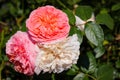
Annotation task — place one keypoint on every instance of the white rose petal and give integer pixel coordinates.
(58, 56)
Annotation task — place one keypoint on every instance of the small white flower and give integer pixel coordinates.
(58, 56)
(81, 23)
(92, 18)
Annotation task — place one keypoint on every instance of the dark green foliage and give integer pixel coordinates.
(84, 12)
(100, 40)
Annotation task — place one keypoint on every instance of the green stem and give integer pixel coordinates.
(2, 63)
(31, 78)
(91, 77)
(3, 23)
(1, 68)
(61, 4)
(18, 21)
(108, 53)
(2, 38)
(53, 76)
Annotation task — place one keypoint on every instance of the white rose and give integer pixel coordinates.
(58, 56)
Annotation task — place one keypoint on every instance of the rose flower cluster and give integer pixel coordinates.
(46, 46)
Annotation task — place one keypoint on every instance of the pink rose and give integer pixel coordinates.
(47, 24)
(22, 53)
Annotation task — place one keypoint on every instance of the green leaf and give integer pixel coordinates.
(86, 78)
(23, 28)
(73, 70)
(105, 72)
(75, 30)
(84, 12)
(80, 36)
(84, 69)
(12, 9)
(92, 61)
(105, 19)
(75, 67)
(99, 51)
(116, 7)
(70, 16)
(104, 10)
(4, 10)
(109, 36)
(94, 33)
(117, 64)
(5, 58)
(81, 76)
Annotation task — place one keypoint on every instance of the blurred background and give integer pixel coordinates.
(13, 14)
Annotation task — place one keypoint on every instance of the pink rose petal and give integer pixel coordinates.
(22, 53)
(47, 24)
